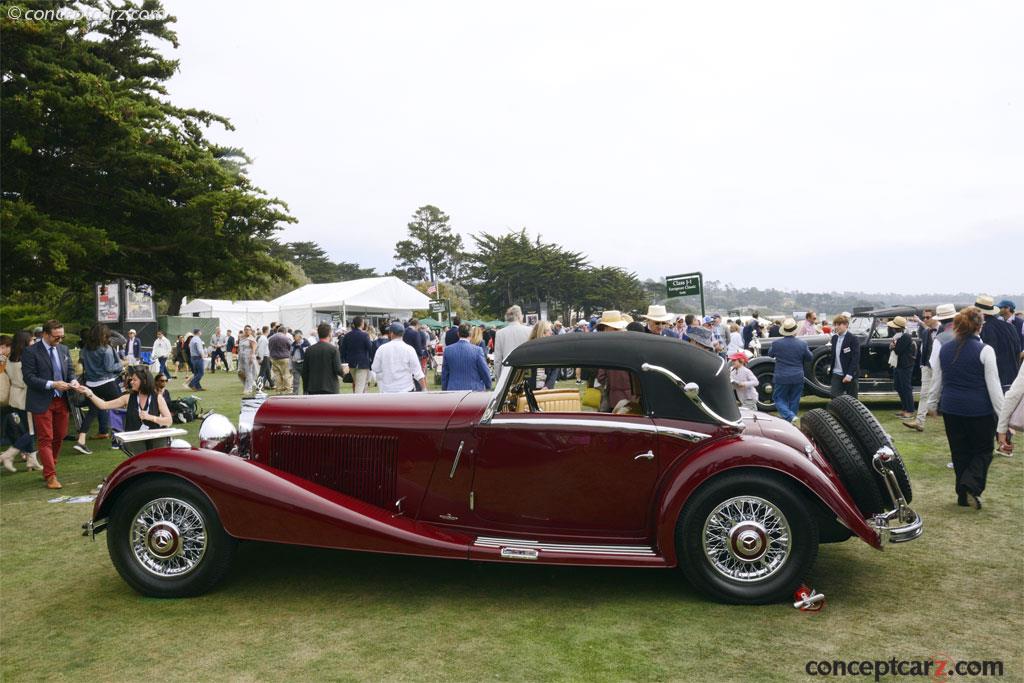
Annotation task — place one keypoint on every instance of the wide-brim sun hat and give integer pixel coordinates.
(613, 319)
(945, 312)
(658, 314)
(899, 322)
(986, 304)
(788, 327)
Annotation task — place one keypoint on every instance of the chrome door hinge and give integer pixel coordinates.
(472, 500)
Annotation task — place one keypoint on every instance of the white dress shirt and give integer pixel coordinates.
(397, 367)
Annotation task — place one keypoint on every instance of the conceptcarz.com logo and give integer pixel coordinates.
(937, 668)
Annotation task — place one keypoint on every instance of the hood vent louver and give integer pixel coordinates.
(363, 466)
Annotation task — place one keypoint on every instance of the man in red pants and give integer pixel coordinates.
(49, 377)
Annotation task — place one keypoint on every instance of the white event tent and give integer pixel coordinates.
(372, 297)
(234, 315)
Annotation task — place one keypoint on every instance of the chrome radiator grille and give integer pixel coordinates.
(358, 465)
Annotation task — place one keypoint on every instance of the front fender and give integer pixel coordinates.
(259, 503)
(752, 452)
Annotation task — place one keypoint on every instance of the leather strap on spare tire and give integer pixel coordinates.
(869, 435)
(836, 445)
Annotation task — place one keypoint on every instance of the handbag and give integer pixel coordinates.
(893, 359)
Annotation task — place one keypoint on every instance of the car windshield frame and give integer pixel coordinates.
(861, 325)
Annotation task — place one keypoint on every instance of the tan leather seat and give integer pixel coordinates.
(554, 401)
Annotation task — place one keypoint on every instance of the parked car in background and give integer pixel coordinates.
(876, 376)
(671, 475)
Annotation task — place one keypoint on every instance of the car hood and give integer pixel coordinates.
(412, 410)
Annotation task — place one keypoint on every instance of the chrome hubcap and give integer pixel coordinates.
(168, 537)
(747, 539)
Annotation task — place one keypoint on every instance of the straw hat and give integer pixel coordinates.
(613, 319)
(658, 314)
(788, 327)
(899, 322)
(945, 312)
(986, 304)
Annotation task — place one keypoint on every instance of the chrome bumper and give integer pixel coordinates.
(910, 525)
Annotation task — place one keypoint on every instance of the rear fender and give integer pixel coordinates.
(750, 452)
(259, 503)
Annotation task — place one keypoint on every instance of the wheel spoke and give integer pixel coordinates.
(168, 537)
(746, 538)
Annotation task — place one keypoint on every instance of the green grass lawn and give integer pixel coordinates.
(288, 613)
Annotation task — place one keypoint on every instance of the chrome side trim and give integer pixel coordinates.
(455, 464)
(601, 424)
(580, 548)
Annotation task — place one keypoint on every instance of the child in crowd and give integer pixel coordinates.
(743, 381)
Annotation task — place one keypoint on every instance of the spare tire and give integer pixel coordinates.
(839, 448)
(869, 435)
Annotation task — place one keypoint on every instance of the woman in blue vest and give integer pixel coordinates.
(970, 398)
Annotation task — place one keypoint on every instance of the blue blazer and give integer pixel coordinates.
(849, 355)
(356, 350)
(464, 368)
(38, 370)
(136, 349)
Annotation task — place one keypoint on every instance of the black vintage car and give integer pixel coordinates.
(875, 373)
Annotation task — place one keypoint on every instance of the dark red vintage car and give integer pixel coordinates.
(674, 476)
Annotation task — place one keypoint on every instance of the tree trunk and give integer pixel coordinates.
(174, 302)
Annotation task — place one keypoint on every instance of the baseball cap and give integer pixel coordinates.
(1006, 303)
(396, 328)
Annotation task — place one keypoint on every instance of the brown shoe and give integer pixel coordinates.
(913, 425)
(99, 436)
(52, 483)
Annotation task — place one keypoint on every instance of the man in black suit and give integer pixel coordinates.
(46, 366)
(356, 352)
(321, 367)
(844, 367)
(452, 335)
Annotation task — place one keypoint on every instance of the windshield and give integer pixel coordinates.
(859, 325)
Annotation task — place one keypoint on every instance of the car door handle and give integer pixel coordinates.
(649, 455)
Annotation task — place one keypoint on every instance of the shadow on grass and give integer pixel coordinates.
(277, 569)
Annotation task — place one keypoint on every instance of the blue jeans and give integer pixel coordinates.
(163, 367)
(198, 368)
(787, 398)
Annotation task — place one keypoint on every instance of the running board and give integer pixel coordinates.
(519, 549)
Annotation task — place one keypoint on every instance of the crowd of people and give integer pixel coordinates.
(970, 366)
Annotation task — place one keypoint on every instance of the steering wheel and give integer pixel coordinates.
(531, 400)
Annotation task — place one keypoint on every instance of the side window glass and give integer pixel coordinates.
(573, 390)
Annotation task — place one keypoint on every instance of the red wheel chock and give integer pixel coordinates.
(808, 599)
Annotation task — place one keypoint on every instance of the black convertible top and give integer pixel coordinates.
(630, 350)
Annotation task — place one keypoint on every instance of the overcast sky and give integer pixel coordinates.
(872, 146)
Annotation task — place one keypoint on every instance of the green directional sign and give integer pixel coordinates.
(687, 284)
(441, 309)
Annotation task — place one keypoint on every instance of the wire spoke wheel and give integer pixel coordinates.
(168, 537)
(747, 539)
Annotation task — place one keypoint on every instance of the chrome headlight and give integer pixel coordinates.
(217, 433)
